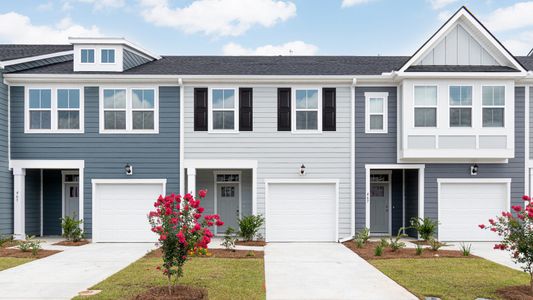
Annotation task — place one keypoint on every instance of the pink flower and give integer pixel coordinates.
(491, 221)
(174, 221)
(219, 223)
(209, 223)
(181, 237)
(526, 198)
(516, 208)
(197, 216)
(482, 226)
(493, 229)
(202, 193)
(208, 233)
(200, 209)
(162, 237)
(196, 227)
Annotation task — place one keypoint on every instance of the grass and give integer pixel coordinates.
(451, 278)
(10, 262)
(223, 278)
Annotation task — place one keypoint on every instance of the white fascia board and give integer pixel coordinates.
(33, 58)
(440, 75)
(112, 40)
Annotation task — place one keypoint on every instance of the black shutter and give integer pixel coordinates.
(246, 109)
(284, 109)
(329, 109)
(200, 109)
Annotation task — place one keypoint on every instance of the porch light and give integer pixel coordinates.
(302, 170)
(128, 169)
(474, 170)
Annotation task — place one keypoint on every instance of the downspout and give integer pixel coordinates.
(182, 138)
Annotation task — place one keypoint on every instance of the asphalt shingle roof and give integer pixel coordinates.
(10, 52)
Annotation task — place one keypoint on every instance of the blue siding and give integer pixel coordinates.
(39, 63)
(6, 177)
(32, 191)
(151, 155)
(52, 202)
(131, 60)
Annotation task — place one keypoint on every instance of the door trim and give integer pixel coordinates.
(389, 186)
(63, 197)
(216, 183)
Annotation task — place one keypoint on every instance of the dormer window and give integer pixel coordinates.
(87, 56)
(108, 56)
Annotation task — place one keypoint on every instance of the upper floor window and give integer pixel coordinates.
(460, 106)
(68, 109)
(376, 112)
(40, 108)
(107, 56)
(493, 106)
(54, 110)
(143, 109)
(425, 106)
(223, 110)
(87, 56)
(115, 109)
(129, 111)
(307, 110)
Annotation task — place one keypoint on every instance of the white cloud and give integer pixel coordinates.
(103, 4)
(348, 3)
(47, 6)
(218, 17)
(438, 4)
(521, 44)
(516, 16)
(290, 48)
(17, 28)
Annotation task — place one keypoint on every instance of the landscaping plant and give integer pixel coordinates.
(516, 232)
(181, 229)
(5, 239)
(229, 239)
(419, 249)
(383, 243)
(395, 243)
(363, 235)
(249, 226)
(466, 249)
(359, 243)
(425, 227)
(30, 244)
(434, 244)
(72, 229)
(379, 250)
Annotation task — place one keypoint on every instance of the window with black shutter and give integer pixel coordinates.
(329, 109)
(245, 109)
(284, 109)
(200, 109)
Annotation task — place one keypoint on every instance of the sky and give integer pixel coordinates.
(261, 27)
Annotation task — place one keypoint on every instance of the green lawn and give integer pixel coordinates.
(223, 278)
(10, 262)
(451, 278)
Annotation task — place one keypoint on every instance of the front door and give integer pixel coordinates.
(379, 208)
(72, 200)
(228, 205)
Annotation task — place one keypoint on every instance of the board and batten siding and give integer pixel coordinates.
(6, 177)
(153, 156)
(280, 153)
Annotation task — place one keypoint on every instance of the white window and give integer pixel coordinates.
(307, 110)
(223, 108)
(132, 110)
(87, 56)
(493, 106)
(107, 56)
(376, 112)
(40, 109)
(68, 109)
(425, 106)
(460, 106)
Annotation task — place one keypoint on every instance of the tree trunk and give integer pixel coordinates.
(169, 285)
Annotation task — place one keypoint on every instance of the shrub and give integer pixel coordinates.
(4, 239)
(419, 249)
(30, 244)
(379, 250)
(177, 221)
(466, 249)
(434, 244)
(250, 253)
(383, 243)
(72, 229)
(363, 235)
(229, 239)
(249, 226)
(425, 227)
(516, 232)
(359, 243)
(395, 243)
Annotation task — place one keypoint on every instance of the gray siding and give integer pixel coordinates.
(131, 60)
(32, 191)
(280, 154)
(371, 148)
(151, 155)
(38, 63)
(6, 177)
(52, 202)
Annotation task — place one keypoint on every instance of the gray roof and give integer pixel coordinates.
(10, 52)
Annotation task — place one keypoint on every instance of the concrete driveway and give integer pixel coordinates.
(324, 271)
(486, 250)
(63, 275)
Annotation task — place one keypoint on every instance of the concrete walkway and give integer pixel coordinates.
(63, 275)
(324, 271)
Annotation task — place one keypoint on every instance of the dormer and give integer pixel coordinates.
(108, 54)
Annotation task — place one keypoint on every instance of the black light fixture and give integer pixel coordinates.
(128, 169)
(474, 170)
(302, 170)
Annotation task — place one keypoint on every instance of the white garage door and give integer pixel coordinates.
(301, 212)
(463, 206)
(120, 209)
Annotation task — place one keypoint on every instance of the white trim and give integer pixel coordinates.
(81, 56)
(235, 110)
(483, 106)
(46, 164)
(436, 106)
(352, 157)
(217, 183)
(182, 136)
(305, 181)
(385, 113)
(471, 106)
(114, 56)
(403, 199)
(389, 192)
(294, 110)
(17, 61)
(527, 139)
(220, 164)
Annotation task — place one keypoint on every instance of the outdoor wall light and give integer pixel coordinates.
(474, 170)
(302, 170)
(128, 169)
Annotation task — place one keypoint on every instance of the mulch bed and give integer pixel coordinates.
(367, 252)
(251, 243)
(19, 254)
(179, 292)
(520, 292)
(70, 243)
(426, 243)
(9, 244)
(220, 253)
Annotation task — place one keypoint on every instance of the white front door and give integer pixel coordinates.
(228, 205)
(72, 203)
(379, 208)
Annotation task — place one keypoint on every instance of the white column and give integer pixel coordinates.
(191, 181)
(19, 228)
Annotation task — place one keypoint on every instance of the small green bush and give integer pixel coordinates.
(229, 239)
(359, 243)
(425, 227)
(71, 229)
(30, 244)
(249, 226)
(5, 239)
(379, 250)
(466, 249)
(395, 243)
(419, 249)
(434, 244)
(383, 243)
(363, 235)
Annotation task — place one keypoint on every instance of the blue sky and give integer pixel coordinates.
(233, 27)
